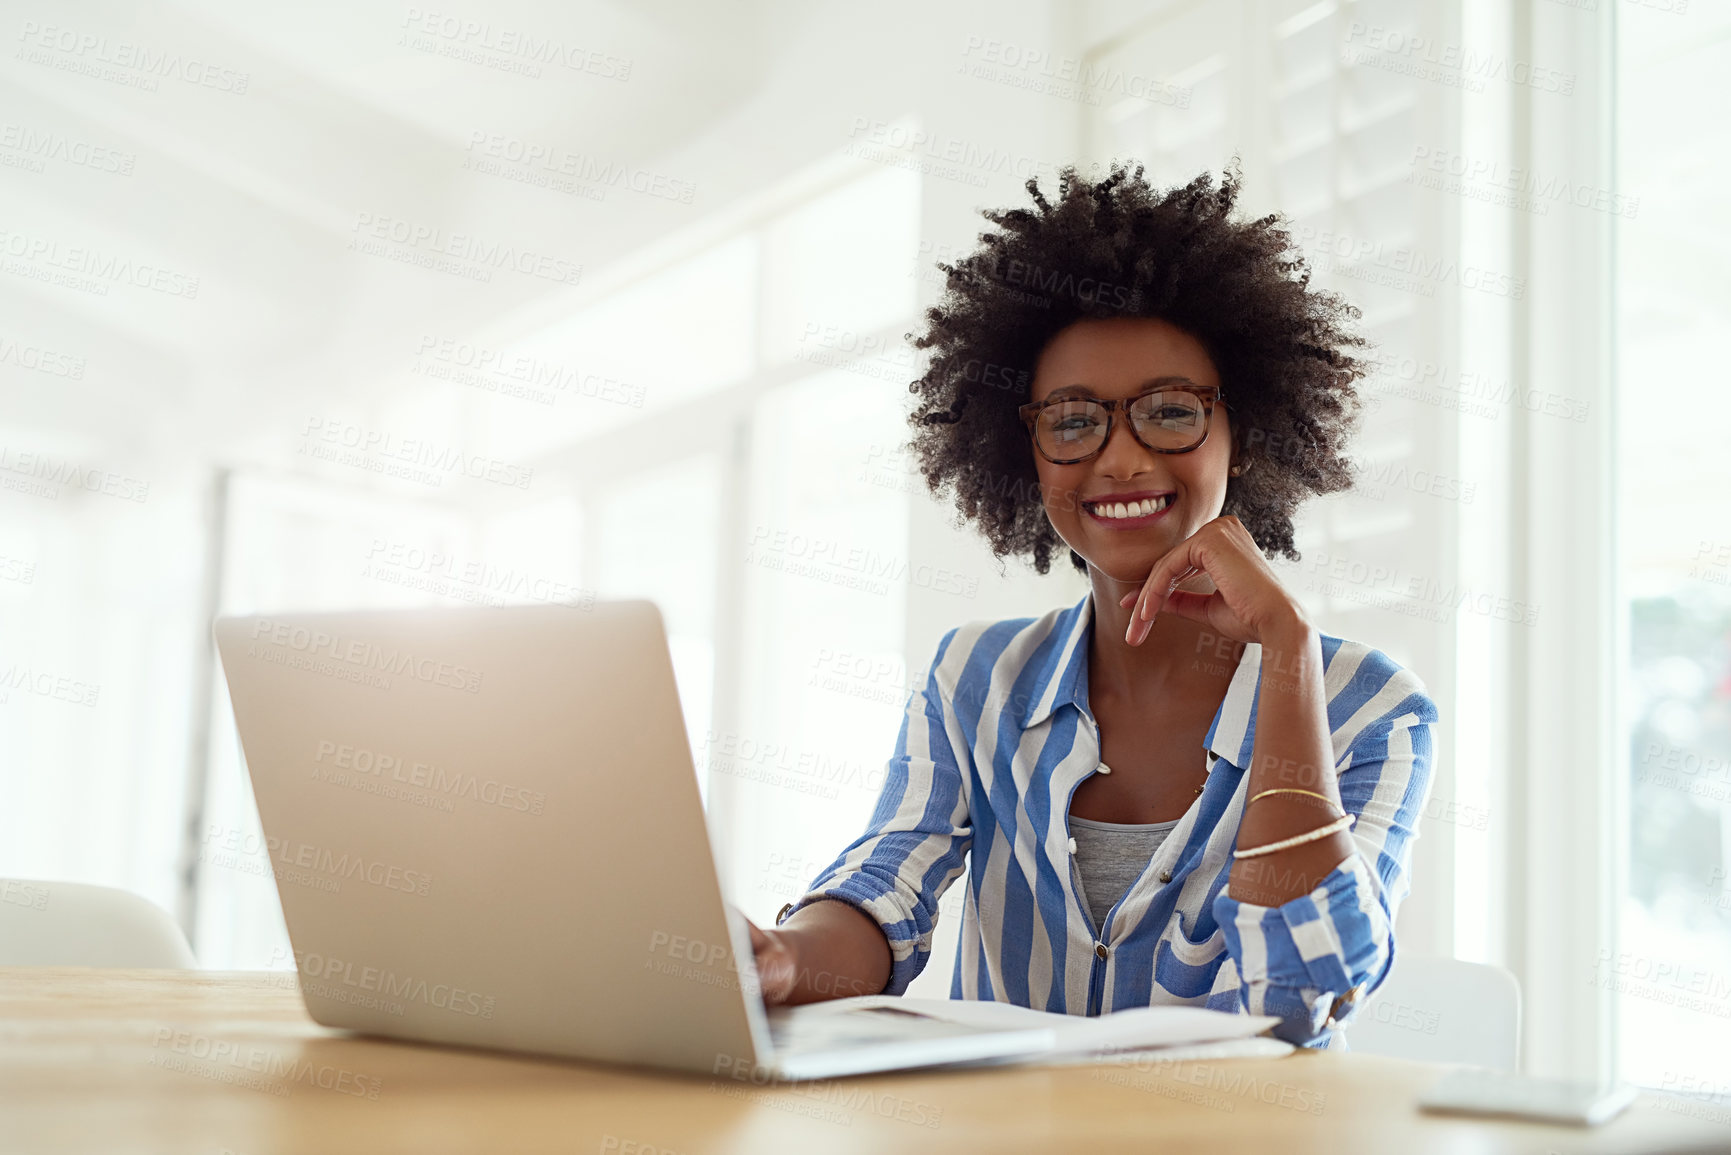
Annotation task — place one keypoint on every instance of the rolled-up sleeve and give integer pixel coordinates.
(1313, 960)
(917, 839)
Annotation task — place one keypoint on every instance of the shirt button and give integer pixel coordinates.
(1165, 876)
(1101, 950)
(1072, 846)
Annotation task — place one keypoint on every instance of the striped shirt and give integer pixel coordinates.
(991, 749)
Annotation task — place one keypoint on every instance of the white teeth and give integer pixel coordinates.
(1143, 508)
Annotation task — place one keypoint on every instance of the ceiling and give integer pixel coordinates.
(274, 140)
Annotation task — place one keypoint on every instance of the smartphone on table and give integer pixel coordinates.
(1481, 1091)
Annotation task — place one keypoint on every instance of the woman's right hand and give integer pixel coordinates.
(777, 969)
(827, 950)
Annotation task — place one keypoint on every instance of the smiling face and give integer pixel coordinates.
(1116, 359)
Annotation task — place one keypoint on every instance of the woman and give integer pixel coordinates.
(1178, 791)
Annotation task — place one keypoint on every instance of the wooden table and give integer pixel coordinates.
(202, 1063)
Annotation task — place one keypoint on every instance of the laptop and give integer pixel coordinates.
(486, 830)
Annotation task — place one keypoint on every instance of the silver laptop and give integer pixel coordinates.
(486, 830)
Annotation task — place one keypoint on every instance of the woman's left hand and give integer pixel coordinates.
(1248, 603)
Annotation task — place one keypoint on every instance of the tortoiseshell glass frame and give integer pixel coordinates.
(1207, 394)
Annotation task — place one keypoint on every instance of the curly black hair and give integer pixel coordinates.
(1117, 247)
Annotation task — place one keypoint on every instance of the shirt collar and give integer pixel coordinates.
(1064, 674)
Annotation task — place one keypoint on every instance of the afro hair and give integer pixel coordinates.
(1286, 354)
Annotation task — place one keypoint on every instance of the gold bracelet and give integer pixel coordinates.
(1341, 823)
(1294, 790)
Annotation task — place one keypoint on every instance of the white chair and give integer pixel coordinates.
(1442, 1010)
(72, 924)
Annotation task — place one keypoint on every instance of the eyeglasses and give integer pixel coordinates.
(1164, 418)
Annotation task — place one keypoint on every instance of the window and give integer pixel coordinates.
(1674, 967)
(825, 579)
(312, 544)
(633, 414)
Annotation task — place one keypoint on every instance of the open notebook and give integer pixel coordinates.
(1168, 1032)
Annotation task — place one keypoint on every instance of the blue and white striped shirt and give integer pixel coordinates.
(990, 751)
